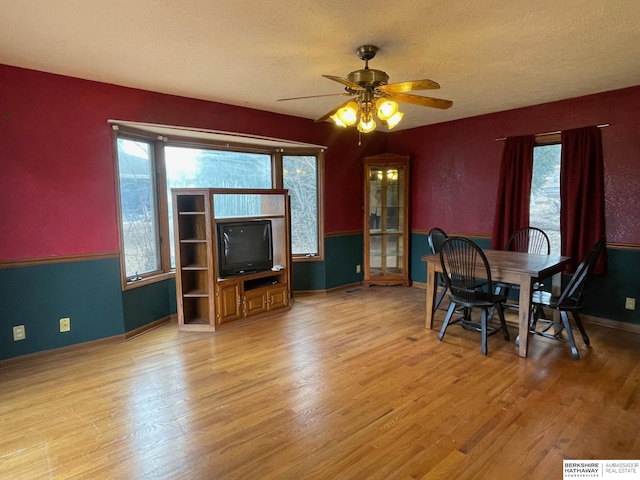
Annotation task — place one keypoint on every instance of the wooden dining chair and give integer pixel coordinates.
(528, 240)
(465, 267)
(569, 301)
(435, 239)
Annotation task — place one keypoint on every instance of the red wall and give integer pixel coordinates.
(57, 185)
(456, 164)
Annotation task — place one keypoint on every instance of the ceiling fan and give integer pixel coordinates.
(372, 96)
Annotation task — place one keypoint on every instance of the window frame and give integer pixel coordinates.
(158, 142)
(279, 173)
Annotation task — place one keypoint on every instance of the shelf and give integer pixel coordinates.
(250, 276)
(194, 267)
(269, 281)
(194, 254)
(248, 217)
(191, 203)
(195, 310)
(195, 294)
(198, 321)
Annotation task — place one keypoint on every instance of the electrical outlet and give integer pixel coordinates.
(357, 268)
(630, 303)
(65, 324)
(19, 333)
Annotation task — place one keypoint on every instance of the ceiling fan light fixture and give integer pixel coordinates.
(374, 97)
(394, 119)
(386, 108)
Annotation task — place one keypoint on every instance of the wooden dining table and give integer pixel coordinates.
(523, 269)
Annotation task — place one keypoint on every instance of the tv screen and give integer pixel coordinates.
(244, 247)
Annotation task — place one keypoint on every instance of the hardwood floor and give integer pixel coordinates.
(344, 386)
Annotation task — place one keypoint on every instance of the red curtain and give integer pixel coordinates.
(582, 221)
(514, 189)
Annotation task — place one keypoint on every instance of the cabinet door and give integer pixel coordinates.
(277, 298)
(255, 302)
(228, 302)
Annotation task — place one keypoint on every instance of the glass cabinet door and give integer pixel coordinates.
(385, 220)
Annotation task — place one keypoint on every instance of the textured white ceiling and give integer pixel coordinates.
(487, 55)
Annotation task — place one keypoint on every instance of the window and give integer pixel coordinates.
(188, 167)
(544, 208)
(150, 166)
(300, 177)
(138, 210)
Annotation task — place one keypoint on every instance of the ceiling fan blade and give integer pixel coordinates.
(424, 84)
(331, 112)
(423, 101)
(314, 96)
(345, 82)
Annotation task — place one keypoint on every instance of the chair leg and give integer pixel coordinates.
(533, 320)
(535, 315)
(496, 291)
(506, 293)
(572, 342)
(447, 319)
(578, 320)
(483, 328)
(502, 321)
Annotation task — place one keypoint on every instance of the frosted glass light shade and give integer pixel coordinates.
(386, 108)
(394, 120)
(347, 114)
(366, 127)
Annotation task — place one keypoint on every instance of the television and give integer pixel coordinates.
(244, 247)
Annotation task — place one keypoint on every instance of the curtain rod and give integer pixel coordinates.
(603, 125)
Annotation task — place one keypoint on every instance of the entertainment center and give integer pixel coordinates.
(233, 254)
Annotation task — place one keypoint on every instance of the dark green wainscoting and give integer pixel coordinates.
(88, 292)
(342, 253)
(605, 295)
(148, 303)
(37, 297)
(308, 275)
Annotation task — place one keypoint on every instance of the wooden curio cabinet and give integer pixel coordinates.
(386, 220)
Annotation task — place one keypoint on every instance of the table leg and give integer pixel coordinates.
(524, 313)
(431, 295)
